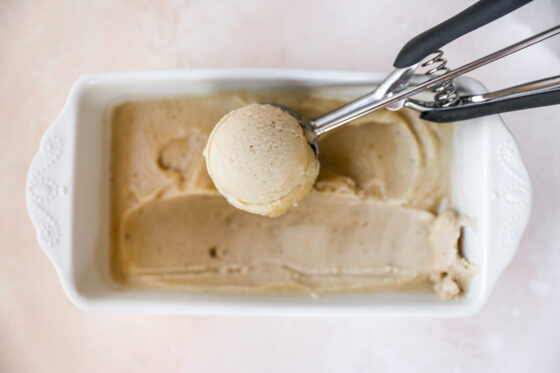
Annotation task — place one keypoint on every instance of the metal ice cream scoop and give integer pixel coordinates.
(448, 105)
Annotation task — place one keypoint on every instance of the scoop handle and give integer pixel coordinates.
(476, 110)
(477, 15)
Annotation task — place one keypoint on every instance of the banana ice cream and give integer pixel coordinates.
(371, 221)
(259, 159)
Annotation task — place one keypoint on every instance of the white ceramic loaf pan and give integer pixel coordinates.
(68, 198)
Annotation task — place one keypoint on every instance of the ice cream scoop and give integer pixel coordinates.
(267, 194)
(259, 158)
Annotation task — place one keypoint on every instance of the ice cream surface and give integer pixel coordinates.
(259, 159)
(370, 223)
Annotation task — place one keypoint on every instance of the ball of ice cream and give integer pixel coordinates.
(259, 159)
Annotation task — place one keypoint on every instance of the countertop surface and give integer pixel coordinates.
(46, 45)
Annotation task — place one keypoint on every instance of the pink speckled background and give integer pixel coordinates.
(46, 45)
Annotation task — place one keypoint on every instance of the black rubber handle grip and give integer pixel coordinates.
(479, 14)
(470, 111)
